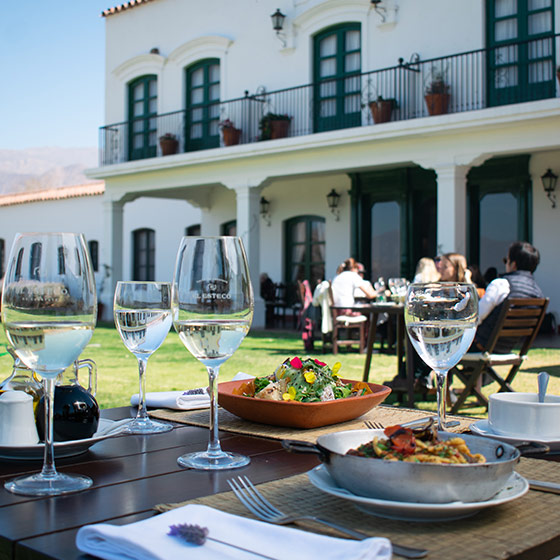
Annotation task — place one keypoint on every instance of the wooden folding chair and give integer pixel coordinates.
(517, 326)
(344, 326)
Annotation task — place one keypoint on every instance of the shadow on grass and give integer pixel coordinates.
(551, 370)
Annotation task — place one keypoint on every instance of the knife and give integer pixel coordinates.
(543, 486)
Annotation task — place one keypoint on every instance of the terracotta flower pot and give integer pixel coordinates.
(231, 135)
(437, 103)
(279, 129)
(168, 146)
(381, 110)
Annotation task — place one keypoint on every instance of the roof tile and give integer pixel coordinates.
(90, 189)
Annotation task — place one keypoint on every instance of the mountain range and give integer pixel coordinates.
(42, 168)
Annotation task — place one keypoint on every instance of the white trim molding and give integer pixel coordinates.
(138, 66)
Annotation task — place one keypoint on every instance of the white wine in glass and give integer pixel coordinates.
(441, 320)
(212, 312)
(49, 311)
(142, 313)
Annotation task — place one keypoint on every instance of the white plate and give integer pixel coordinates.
(482, 428)
(106, 428)
(515, 487)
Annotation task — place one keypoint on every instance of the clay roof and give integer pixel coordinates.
(122, 7)
(90, 189)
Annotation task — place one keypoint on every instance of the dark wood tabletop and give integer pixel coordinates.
(131, 474)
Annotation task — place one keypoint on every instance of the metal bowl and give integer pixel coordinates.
(413, 482)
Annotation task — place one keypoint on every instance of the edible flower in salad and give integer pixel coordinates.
(303, 380)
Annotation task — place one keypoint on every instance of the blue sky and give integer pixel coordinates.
(52, 60)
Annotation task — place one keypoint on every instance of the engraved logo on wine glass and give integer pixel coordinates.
(214, 289)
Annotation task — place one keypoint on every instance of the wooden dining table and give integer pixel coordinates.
(133, 474)
(403, 348)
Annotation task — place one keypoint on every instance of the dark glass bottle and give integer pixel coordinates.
(76, 412)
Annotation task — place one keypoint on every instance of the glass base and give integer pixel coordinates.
(145, 426)
(39, 485)
(201, 460)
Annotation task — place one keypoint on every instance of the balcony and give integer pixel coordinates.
(513, 72)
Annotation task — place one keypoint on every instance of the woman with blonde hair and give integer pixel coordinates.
(426, 271)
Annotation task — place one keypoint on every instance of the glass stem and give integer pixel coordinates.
(214, 447)
(142, 365)
(441, 380)
(49, 470)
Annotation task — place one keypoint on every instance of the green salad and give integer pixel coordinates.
(305, 380)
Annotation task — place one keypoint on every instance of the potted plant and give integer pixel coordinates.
(273, 126)
(437, 95)
(231, 134)
(381, 109)
(168, 144)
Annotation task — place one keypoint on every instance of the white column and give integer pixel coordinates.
(112, 250)
(451, 205)
(451, 208)
(248, 228)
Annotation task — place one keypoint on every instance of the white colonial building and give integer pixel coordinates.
(432, 121)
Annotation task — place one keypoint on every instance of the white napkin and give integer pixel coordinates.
(148, 540)
(178, 400)
(192, 399)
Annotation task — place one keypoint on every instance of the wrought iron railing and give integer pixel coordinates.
(509, 73)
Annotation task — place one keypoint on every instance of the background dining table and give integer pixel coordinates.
(404, 349)
(133, 474)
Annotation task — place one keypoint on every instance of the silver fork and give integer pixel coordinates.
(374, 425)
(379, 426)
(255, 502)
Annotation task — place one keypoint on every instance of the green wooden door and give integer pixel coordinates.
(394, 220)
(337, 80)
(499, 209)
(203, 105)
(521, 59)
(142, 117)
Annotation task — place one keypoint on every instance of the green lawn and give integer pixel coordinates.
(173, 368)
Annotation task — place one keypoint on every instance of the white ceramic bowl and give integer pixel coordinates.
(520, 415)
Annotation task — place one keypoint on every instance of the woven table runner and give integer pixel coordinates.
(386, 415)
(494, 533)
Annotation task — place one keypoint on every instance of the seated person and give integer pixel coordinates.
(268, 289)
(517, 282)
(477, 279)
(359, 292)
(452, 267)
(426, 271)
(346, 281)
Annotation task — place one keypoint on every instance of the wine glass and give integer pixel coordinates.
(441, 321)
(49, 311)
(142, 313)
(212, 312)
(398, 287)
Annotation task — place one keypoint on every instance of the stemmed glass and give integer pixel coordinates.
(398, 287)
(212, 312)
(142, 312)
(441, 321)
(49, 311)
